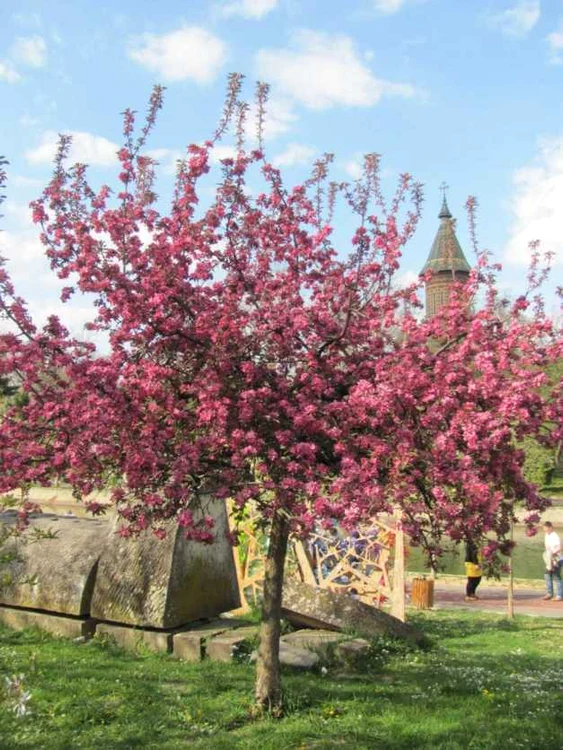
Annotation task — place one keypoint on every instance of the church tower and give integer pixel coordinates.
(446, 261)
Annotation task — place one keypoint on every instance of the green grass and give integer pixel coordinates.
(554, 491)
(487, 683)
(527, 558)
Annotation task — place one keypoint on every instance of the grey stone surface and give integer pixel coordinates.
(352, 649)
(166, 583)
(87, 569)
(190, 645)
(311, 638)
(57, 574)
(307, 606)
(132, 638)
(298, 658)
(68, 627)
(293, 656)
(224, 646)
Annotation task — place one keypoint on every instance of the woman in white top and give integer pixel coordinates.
(552, 560)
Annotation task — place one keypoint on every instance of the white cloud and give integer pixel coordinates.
(254, 9)
(408, 277)
(8, 73)
(27, 19)
(18, 213)
(220, 152)
(555, 43)
(322, 71)
(536, 203)
(86, 148)
(56, 37)
(73, 315)
(167, 158)
(518, 20)
(294, 154)
(30, 51)
(280, 118)
(354, 167)
(28, 122)
(23, 181)
(388, 6)
(44, 102)
(188, 53)
(23, 248)
(30, 271)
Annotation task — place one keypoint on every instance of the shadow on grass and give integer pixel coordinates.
(460, 624)
(458, 696)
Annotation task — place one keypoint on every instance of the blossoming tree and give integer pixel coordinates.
(251, 358)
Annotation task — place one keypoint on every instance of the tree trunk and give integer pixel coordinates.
(268, 688)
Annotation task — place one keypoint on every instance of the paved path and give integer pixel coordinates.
(527, 601)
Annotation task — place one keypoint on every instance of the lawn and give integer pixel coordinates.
(486, 683)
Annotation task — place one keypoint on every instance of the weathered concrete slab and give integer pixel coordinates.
(57, 574)
(293, 656)
(132, 638)
(224, 647)
(190, 645)
(166, 583)
(352, 649)
(68, 627)
(308, 639)
(307, 606)
(298, 658)
(60, 500)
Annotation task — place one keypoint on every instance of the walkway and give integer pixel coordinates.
(527, 601)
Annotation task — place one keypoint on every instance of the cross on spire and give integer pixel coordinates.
(444, 211)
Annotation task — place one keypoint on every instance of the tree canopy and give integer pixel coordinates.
(251, 357)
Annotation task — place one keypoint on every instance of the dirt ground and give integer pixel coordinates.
(528, 599)
(57, 499)
(553, 514)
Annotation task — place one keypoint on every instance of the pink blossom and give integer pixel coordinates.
(253, 358)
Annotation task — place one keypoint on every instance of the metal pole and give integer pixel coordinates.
(510, 594)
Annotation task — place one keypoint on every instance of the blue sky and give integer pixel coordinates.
(466, 91)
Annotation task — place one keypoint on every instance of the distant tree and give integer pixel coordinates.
(539, 461)
(251, 358)
(541, 457)
(8, 396)
(7, 388)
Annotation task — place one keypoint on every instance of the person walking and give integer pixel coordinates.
(473, 571)
(552, 560)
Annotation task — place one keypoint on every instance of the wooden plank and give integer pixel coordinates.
(398, 596)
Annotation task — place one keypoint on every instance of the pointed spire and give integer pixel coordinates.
(446, 253)
(444, 211)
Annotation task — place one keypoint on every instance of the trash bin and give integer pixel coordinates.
(422, 593)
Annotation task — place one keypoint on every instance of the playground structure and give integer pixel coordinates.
(367, 564)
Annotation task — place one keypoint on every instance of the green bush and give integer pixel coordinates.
(539, 462)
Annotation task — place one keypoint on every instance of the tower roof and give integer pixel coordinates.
(445, 211)
(446, 253)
